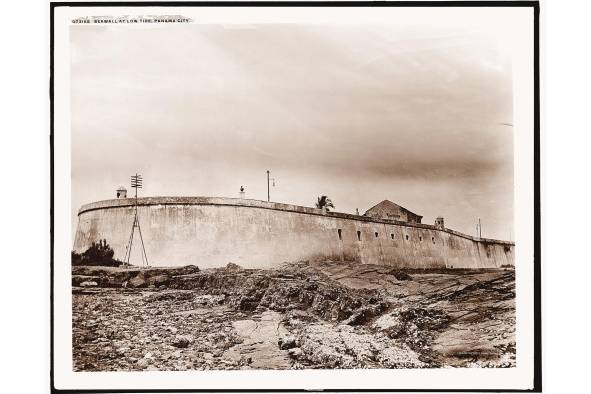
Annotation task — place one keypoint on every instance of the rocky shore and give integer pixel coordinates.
(301, 315)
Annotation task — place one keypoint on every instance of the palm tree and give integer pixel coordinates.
(324, 202)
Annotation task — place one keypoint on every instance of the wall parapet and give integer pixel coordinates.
(250, 203)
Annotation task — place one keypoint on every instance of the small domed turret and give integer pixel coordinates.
(121, 192)
(439, 223)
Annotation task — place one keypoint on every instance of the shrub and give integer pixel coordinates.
(76, 258)
(97, 254)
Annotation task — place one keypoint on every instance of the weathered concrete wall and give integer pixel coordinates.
(210, 232)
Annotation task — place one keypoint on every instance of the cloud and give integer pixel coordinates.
(408, 113)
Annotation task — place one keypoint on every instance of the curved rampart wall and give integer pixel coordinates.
(210, 232)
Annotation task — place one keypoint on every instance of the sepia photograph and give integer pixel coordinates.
(296, 189)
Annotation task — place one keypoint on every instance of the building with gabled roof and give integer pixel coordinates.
(391, 211)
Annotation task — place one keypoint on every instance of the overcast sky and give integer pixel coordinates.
(358, 113)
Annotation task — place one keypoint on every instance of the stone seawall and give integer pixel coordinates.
(212, 231)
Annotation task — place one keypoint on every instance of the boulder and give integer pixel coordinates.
(77, 280)
(182, 341)
(295, 352)
(401, 275)
(137, 281)
(186, 270)
(158, 280)
(144, 362)
(287, 342)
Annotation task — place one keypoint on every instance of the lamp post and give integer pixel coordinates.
(479, 228)
(268, 190)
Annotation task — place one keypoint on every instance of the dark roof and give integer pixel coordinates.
(388, 202)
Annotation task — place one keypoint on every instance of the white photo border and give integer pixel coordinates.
(520, 19)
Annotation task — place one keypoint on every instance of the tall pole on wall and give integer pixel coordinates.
(136, 183)
(268, 190)
(479, 228)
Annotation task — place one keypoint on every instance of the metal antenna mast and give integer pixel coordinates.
(136, 183)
